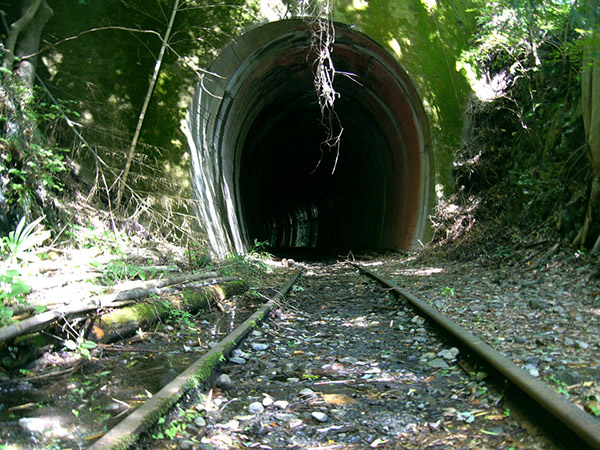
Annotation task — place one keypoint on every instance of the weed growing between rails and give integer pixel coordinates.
(319, 17)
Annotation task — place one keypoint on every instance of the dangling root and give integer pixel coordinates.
(319, 19)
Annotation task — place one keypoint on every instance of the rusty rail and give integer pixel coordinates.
(126, 434)
(573, 418)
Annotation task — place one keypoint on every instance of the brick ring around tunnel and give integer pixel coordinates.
(258, 167)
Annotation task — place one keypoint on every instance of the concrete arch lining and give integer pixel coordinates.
(257, 165)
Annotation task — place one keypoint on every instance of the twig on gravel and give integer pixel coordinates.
(289, 330)
(226, 404)
(283, 305)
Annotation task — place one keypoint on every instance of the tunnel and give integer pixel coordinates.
(261, 171)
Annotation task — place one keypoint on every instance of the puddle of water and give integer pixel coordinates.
(74, 409)
(71, 410)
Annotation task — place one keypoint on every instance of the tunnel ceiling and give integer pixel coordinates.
(260, 170)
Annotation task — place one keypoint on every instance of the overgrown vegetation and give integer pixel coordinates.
(93, 113)
(14, 248)
(32, 166)
(525, 165)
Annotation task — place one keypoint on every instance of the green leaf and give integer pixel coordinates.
(24, 237)
(171, 432)
(19, 288)
(38, 309)
(5, 315)
(88, 344)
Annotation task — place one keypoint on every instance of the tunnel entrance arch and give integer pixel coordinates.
(257, 168)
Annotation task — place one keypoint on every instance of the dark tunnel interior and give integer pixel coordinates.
(297, 192)
(269, 135)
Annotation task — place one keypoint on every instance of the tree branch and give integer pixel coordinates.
(92, 30)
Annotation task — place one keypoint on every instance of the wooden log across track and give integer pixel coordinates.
(125, 321)
(125, 291)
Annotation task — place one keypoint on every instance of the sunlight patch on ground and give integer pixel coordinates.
(46, 425)
(421, 272)
(372, 263)
(360, 322)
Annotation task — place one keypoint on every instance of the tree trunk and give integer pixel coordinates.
(133, 291)
(33, 14)
(30, 7)
(138, 128)
(29, 44)
(23, 39)
(590, 97)
(21, 45)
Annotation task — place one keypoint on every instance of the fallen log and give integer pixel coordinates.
(44, 283)
(119, 292)
(37, 283)
(124, 322)
(162, 282)
(160, 268)
(38, 321)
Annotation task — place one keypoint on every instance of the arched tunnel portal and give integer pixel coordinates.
(259, 167)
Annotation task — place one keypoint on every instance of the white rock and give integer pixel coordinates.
(306, 392)
(256, 408)
(533, 371)
(200, 422)
(349, 360)
(258, 347)
(285, 417)
(438, 363)
(237, 353)
(319, 416)
(449, 354)
(281, 404)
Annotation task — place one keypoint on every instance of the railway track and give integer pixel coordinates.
(352, 361)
